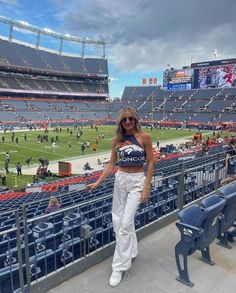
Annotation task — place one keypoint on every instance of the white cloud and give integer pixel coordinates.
(113, 79)
(9, 2)
(146, 35)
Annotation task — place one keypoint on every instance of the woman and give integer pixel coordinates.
(131, 149)
(53, 205)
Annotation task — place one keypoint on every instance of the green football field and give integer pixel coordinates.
(32, 148)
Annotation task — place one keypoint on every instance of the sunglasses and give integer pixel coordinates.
(127, 119)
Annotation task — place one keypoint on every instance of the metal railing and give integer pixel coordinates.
(63, 243)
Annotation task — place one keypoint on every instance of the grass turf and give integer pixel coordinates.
(32, 148)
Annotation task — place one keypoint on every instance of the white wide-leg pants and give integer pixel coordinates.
(126, 198)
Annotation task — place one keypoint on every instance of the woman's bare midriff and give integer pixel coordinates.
(132, 169)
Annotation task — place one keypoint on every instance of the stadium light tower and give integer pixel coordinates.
(164, 109)
(216, 54)
(48, 32)
(152, 106)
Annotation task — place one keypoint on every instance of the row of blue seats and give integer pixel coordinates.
(36, 197)
(93, 214)
(50, 255)
(168, 188)
(59, 239)
(201, 225)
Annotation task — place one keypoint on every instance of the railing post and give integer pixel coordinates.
(19, 252)
(180, 191)
(85, 233)
(217, 176)
(27, 264)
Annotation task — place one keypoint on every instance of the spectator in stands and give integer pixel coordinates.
(230, 165)
(131, 148)
(205, 148)
(232, 140)
(19, 168)
(53, 205)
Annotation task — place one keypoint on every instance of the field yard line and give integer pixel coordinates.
(188, 137)
(38, 150)
(77, 163)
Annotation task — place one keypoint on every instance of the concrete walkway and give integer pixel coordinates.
(154, 270)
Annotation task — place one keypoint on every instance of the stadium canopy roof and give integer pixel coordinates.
(39, 31)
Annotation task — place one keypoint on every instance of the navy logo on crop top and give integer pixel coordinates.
(130, 152)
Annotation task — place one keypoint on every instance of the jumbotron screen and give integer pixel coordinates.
(177, 79)
(215, 74)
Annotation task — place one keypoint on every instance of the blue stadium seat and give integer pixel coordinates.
(69, 251)
(9, 278)
(42, 263)
(198, 227)
(42, 229)
(228, 215)
(73, 219)
(228, 189)
(232, 166)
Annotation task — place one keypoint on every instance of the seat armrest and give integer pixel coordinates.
(188, 233)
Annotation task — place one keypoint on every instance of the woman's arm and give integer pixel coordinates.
(149, 155)
(110, 166)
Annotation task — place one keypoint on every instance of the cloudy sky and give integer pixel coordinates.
(143, 36)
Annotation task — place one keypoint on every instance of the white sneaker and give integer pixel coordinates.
(115, 279)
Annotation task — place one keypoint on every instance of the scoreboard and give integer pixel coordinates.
(179, 79)
(208, 74)
(214, 74)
